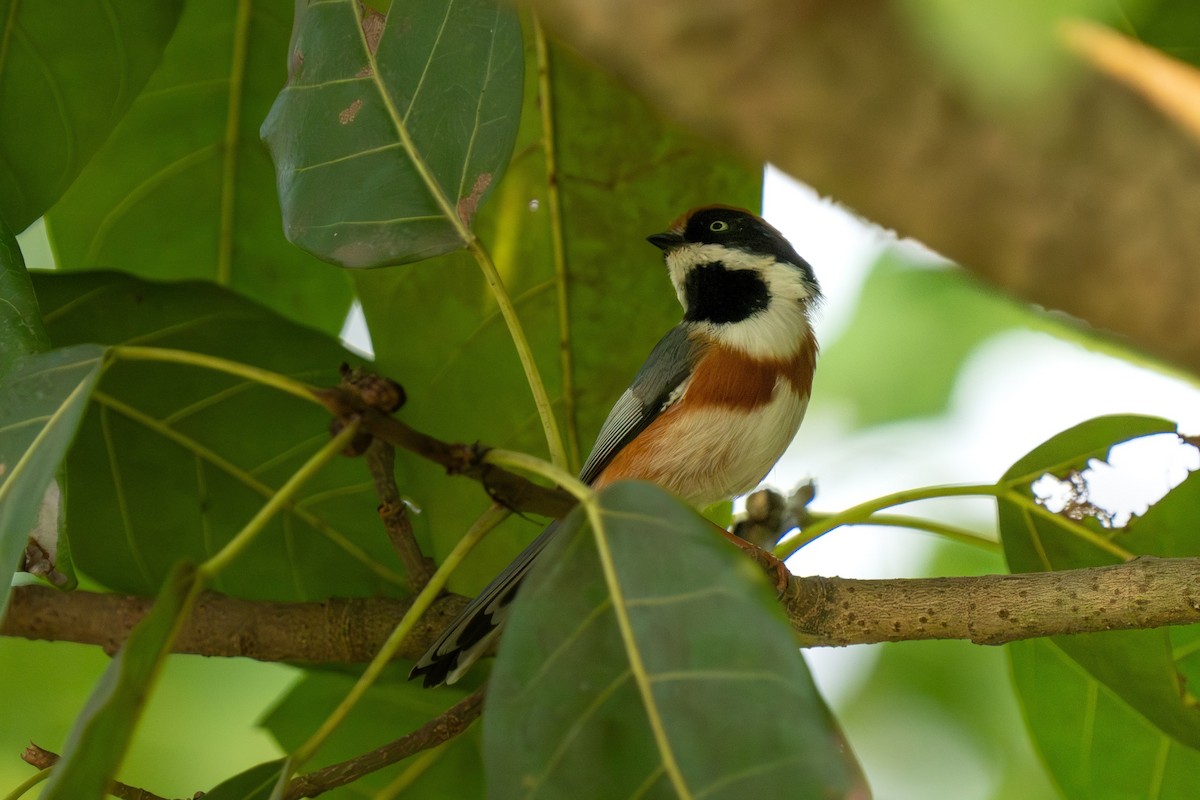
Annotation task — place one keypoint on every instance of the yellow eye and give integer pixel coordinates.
(719, 226)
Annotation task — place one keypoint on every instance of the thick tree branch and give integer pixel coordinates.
(335, 631)
(442, 728)
(1083, 202)
(994, 609)
(991, 609)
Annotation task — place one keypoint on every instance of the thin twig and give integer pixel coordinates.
(393, 511)
(443, 727)
(42, 758)
(557, 241)
(507, 488)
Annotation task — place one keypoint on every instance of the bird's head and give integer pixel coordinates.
(729, 265)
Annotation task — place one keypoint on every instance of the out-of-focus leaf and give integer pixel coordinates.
(66, 78)
(21, 328)
(185, 189)
(378, 105)
(652, 644)
(255, 783)
(618, 298)
(913, 329)
(1137, 670)
(1169, 25)
(97, 744)
(390, 710)
(173, 460)
(42, 400)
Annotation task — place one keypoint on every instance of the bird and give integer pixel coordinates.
(714, 406)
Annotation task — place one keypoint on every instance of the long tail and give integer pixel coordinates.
(472, 631)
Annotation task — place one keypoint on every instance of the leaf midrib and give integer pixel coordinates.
(636, 664)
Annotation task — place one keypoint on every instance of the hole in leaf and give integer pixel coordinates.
(1137, 475)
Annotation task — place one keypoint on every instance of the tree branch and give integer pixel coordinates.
(42, 759)
(509, 489)
(336, 631)
(442, 728)
(1082, 202)
(418, 568)
(991, 609)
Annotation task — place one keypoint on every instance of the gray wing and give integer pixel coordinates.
(653, 390)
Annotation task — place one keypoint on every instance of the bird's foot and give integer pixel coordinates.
(766, 560)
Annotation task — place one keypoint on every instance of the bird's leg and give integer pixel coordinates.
(766, 560)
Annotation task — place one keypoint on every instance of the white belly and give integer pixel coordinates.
(729, 452)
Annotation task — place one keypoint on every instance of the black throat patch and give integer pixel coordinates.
(717, 294)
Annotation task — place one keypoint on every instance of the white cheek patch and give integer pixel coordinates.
(775, 332)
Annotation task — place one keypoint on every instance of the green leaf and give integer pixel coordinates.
(98, 741)
(41, 402)
(390, 709)
(1168, 25)
(1075, 447)
(1097, 745)
(172, 460)
(21, 328)
(255, 783)
(379, 107)
(652, 644)
(22, 333)
(66, 78)
(913, 329)
(1137, 670)
(613, 284)
(185, 189)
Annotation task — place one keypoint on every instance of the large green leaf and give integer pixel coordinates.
(42, 399)
(1140, 672)
(173, 460)
(67, 75)
(1097, 745)
(103, 730)
(595, 321)
(185, 189)
(389, 710)
(651, 644)
(376, 108)
(21, 328)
